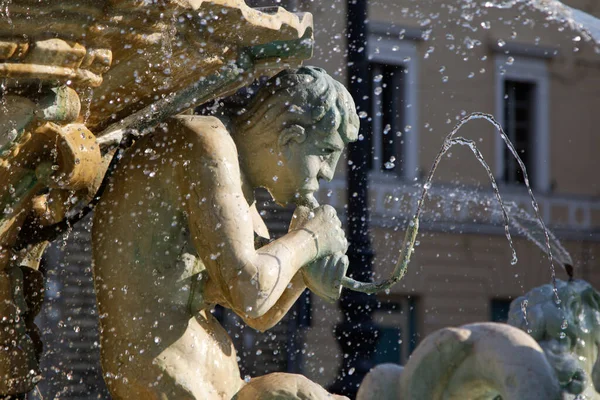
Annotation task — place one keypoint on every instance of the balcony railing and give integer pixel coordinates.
(450, 207)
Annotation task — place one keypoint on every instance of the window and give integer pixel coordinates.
(387, 91)
(396, 320)
(394, 100)
(519, 125)
(499, 310)
(522, 93)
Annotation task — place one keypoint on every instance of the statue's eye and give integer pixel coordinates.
(326, 153)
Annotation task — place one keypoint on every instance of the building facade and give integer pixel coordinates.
(431, 63)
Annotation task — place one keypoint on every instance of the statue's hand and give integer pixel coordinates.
(325, 226)
(324, 276)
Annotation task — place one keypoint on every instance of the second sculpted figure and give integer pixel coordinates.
(175, 234)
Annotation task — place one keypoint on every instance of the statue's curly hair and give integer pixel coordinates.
(302, 95)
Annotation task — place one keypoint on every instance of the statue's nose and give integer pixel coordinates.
(326, 173)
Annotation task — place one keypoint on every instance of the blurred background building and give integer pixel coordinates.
(430, 63)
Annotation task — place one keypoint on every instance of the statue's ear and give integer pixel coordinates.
(289, 134)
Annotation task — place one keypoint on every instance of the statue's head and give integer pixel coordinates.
(569, 332)
(294, 130)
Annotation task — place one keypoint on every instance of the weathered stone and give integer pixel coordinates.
(13, 48)
(568, 332)
(168, 276)
(18, 368)
(481, 360)
(118, 48)
(56, 52)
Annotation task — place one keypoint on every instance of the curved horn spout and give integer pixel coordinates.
(483, 361)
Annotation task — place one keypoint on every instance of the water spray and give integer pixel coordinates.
(413, 225)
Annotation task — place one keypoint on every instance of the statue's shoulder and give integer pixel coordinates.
(210, 133)
(200, 125)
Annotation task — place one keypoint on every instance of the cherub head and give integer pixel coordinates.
(569, 332)
(293, 131)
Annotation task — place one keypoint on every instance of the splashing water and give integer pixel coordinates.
(448, 143)
(555, 10)
(412, 230)
(86, 102)
(4, 11)
(530, 227)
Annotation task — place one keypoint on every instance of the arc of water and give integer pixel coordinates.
(413, 226)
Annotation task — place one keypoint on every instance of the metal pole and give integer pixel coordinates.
(357, 334)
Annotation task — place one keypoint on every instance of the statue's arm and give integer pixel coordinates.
(252, 281)
(280, 308)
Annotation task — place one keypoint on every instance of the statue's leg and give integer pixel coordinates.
(281, 386)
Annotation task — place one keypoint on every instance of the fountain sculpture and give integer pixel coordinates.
(78, 89)
(176, 229)
(548, 350)
(187, 190)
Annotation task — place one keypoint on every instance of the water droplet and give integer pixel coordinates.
(157, 339)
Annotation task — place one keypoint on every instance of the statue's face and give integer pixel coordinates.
(303, 161)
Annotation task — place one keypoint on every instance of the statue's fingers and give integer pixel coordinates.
(301, 215)
(341, 269)
(332, 269)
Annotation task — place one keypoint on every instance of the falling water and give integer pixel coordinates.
(450, 141)
(530, 227)
(169, 34)
(4, 11)
(87, 96)
(411, 234)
